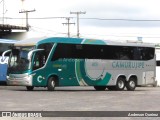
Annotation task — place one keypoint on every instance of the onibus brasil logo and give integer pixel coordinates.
(21, 114)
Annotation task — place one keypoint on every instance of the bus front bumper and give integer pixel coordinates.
(19, 80)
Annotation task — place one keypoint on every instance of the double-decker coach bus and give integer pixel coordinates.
(102, 64)
(4, 56)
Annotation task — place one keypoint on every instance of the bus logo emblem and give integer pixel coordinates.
(39, 79)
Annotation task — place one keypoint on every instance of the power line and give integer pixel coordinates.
(114, 19)
(107, 19)
(37, 18)
(48, 31)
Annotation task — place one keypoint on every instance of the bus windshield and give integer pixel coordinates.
(19, 59)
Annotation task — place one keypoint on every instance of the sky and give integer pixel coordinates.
(116, 20)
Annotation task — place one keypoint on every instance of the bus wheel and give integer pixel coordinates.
(131, 84)
(120, 84)
(100, 88)
(29, 88)
(51, 84)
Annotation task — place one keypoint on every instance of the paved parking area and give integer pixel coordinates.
(14, 98)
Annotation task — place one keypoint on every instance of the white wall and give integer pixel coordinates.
(158, 67)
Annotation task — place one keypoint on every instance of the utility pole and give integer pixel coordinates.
(2, 11)
(68, 24)
(78, 13)
(27, 11)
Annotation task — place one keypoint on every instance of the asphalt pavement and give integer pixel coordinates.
(15, 98)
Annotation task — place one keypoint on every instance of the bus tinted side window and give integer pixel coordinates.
(143, 53)
(125, 53)
(136, 53)
(87, 51)
(83, 51)
(158, 63)
(148, 53)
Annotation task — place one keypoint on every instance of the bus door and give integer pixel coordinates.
(66, 72)
(38, 67)
(150, 77)
(64, 63)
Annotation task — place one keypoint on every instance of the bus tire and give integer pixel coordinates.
(120, 85)
(131, 84)
(29, 88)
(51, 83)
(100, 88)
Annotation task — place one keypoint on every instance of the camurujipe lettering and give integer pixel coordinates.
(128, 65)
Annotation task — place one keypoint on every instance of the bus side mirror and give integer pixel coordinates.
(5, 52)
(31, 53)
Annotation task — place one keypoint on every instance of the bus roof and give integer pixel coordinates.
(92, 41)
(29, 42)
(62, 40)
(8, 41)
